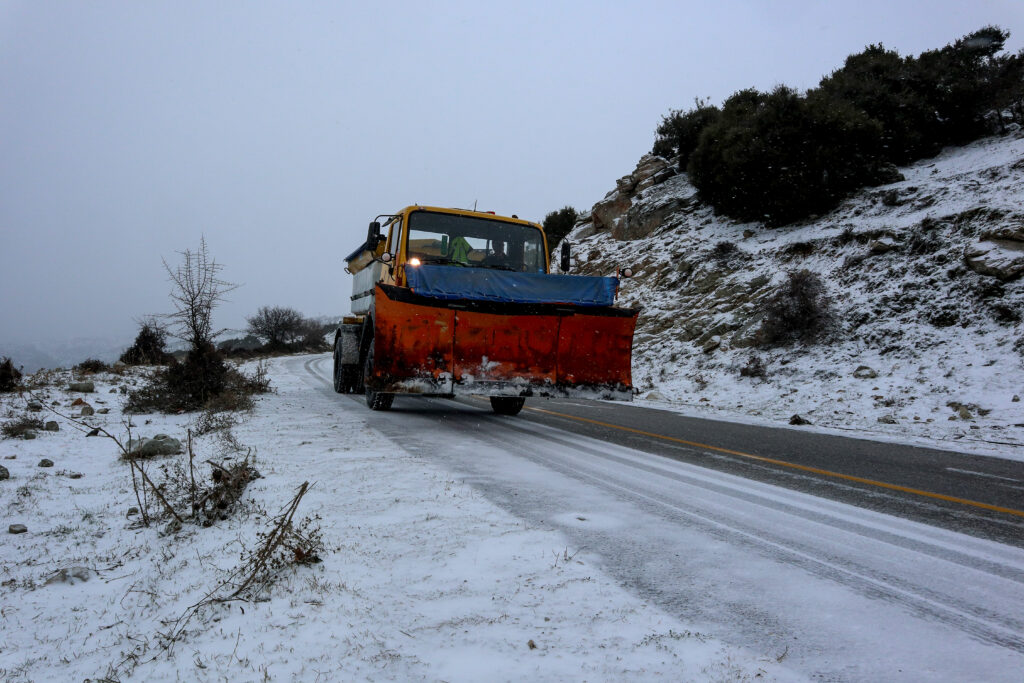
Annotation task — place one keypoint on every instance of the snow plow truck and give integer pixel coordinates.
(449, 302)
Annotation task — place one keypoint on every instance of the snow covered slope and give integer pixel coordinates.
(925, 281)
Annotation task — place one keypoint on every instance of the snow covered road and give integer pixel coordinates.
(845, 593)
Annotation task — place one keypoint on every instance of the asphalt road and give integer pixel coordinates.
(768, 537)
(979, 495)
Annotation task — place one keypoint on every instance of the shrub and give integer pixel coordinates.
(679, 131)
(755, 367)
(779, 157)
(277, 325)
(311, 336)
(10, 376)
(18, 427)
(800, 310)
(884, 86)
(798, 249)
(723, 251)
(91, 366)
(558, 224)
(202, 381)
(149, 347)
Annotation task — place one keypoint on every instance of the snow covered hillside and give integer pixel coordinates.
(421, 577)
(924, 276)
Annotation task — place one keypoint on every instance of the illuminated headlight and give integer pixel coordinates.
(414, 262)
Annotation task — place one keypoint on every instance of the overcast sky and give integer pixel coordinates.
(280, 129)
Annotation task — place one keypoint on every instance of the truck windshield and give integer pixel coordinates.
(477, 242)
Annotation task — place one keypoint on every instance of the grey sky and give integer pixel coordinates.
(279, 129)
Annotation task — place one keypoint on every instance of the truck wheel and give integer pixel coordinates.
(507, 405)
(339, 371)
(377, 400)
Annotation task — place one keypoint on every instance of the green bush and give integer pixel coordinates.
(203, 380)
(558, 224)
(939, 98)
(149, 347)
(679, 131)
(778, 157)
(10, 376)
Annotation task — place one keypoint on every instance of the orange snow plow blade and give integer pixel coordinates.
(430, 346)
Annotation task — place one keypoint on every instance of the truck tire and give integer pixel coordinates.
(507, 405)
(377, 400)
(339, 370)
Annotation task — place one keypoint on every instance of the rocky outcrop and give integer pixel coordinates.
(613, 213)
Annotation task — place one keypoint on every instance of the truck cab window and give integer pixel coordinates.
(450, 239)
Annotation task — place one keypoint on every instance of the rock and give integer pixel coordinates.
(888, 420)
(69, 575)
(46, 462)
(103, 411)
(87, 410)
(711, 344)
(161, 444)
(35, 406)
(123, 389)
(748, 233)
(964, 413)
(864, 372)
(84, 387)
(74, 475)
(132, 511)
(1000, 258)
(640, 221)
(654, 395)
(881, 246)
(113, 390)
(797, 420)
(29, 435)
(609, 211)
(10, 457)
(1016, 398)
(17, 529)
(52, 426)
(78, 402)
(1012, 234)
(4, 473)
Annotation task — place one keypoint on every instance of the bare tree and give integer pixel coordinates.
(197, 291)
(278, 325)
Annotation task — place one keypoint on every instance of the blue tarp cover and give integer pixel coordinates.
(482, 284)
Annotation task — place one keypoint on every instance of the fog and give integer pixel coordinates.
(278, 130)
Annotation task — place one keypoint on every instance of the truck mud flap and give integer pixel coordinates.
(428, 346)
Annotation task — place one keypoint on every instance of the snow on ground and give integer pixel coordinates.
(935, 335)
(422, 579)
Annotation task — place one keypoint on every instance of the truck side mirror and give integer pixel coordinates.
(564, 264)
(373, 236)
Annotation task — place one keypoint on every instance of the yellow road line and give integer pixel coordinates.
(783, 463)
